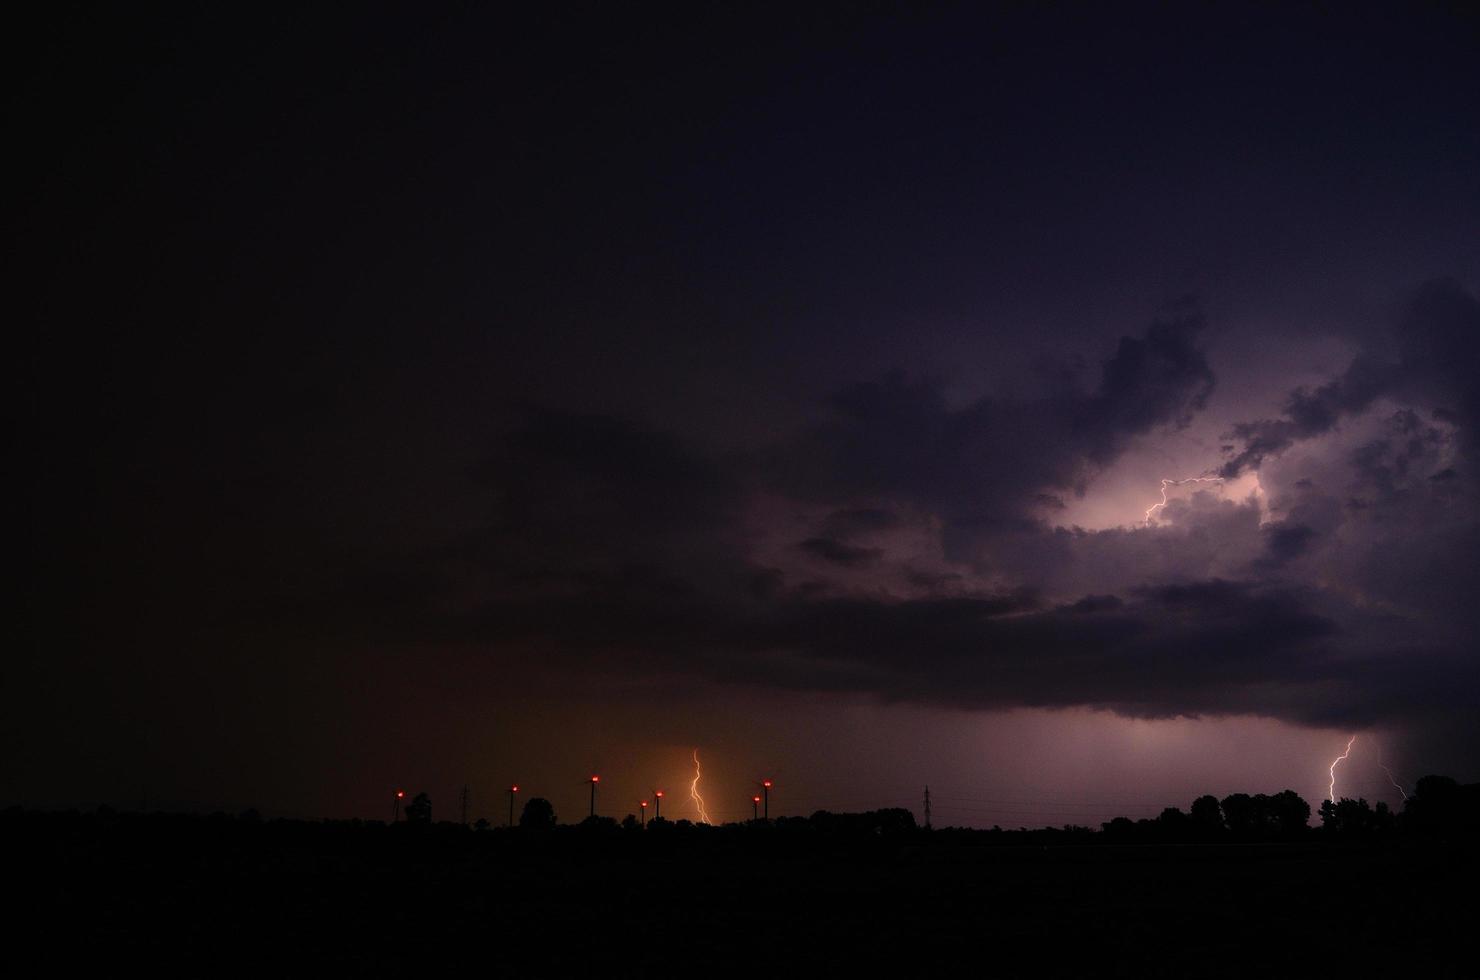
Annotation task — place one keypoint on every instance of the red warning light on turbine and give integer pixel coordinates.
(513, 789)
(659, 794)
(400, 794)
(643, 804)
(595, 779)
(755, 799)
(766, 783)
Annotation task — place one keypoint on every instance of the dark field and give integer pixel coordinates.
(196, 896)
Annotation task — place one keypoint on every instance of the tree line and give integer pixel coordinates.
(1438, 807)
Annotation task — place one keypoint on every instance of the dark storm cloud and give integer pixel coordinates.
(1435, 362)
(861, 520)
(1380, 463)
(1203, 647)
(1161, 378)
(1286, 542)
(1309, 413)
(1161, 651)
(578, 494)
(839, 553)
(291, 266)
(990, 461)
(1384, 468)
(613, 547)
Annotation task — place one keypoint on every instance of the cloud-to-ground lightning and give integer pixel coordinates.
(1154, 508)
(694, 791)
(1396, 785)
(1391, 778)
(1331, 790)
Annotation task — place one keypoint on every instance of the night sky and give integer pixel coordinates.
(418, 399)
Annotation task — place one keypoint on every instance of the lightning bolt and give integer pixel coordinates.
(1152, 510)
(1391, 779)
(1396, 785)
(1331, 791)
(694, 791)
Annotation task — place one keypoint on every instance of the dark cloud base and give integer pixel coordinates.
(616, 546)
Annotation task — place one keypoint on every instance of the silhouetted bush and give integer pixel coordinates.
(419, 810)
(538, 814)
(1442, 808)
(1174, 825)
(892, 821)
(599, 824)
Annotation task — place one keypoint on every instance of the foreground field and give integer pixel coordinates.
(318, 899)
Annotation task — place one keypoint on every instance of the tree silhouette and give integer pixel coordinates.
(1239, 814)
(1354, 818)
(1441, 807)
(891, 821)
(1207, 815)
(597, 823)
(1173, 818)
(538, 814)
(1284, 814)
(1290, 812)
